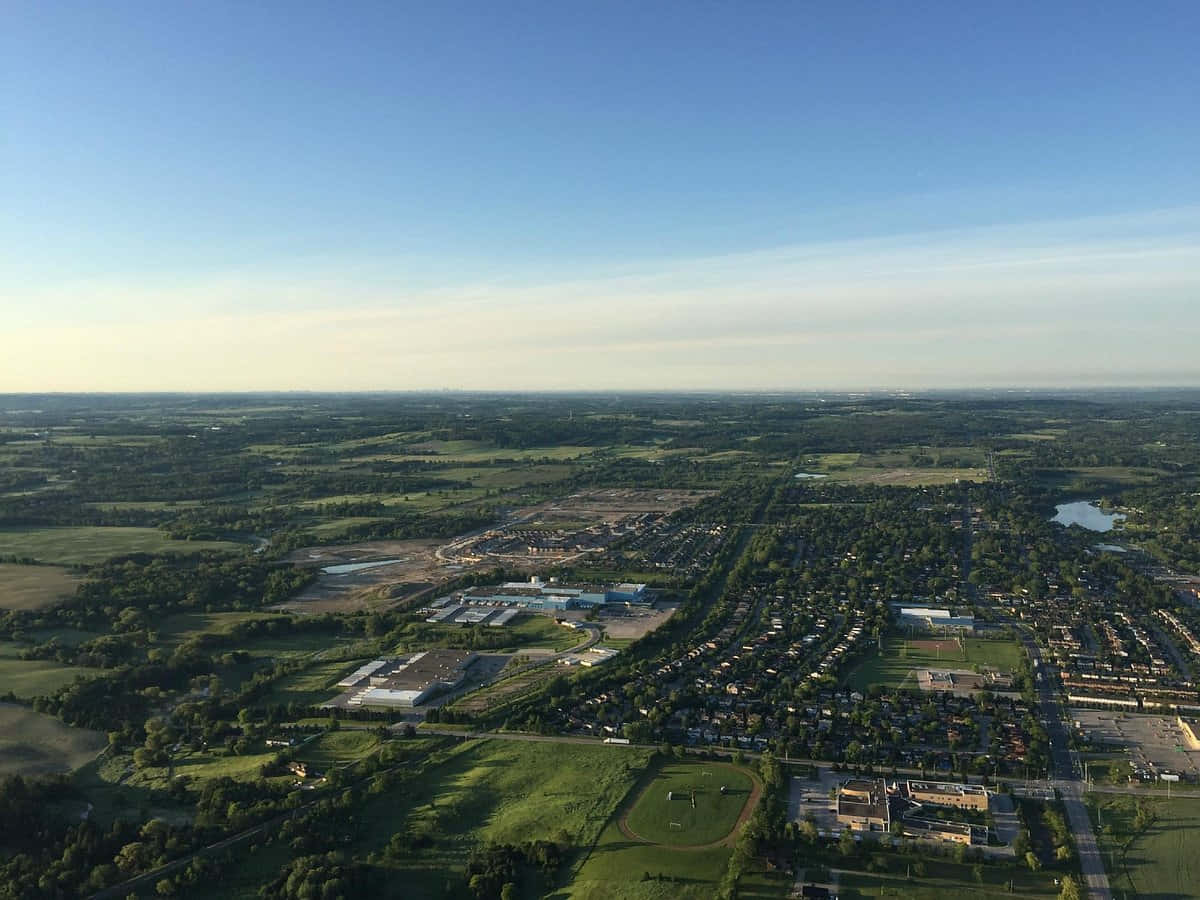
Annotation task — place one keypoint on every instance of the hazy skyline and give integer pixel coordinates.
(698, 196)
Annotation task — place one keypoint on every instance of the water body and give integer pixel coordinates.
(810, 475)
(1086, 515)
(347, 568)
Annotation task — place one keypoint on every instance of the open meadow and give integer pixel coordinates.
(497, 791)
(35, 744)
(87, 545)
(28, 678)
(34, 587)
(1160, 862)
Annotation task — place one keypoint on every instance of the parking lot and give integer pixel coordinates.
(1154, 744)
(809, 797)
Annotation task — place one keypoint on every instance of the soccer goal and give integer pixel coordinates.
(676, 826)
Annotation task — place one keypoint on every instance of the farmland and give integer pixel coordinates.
(34, 587)
(35, 744)
(87, 545)
(765, 596)
(28, 678)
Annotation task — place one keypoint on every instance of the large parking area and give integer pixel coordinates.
(1154, 744)
(811, 797)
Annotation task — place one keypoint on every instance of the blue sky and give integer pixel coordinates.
(608, 195)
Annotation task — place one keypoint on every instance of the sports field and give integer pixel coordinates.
(87, 545)
(34, 587)
(35, 744)
(901, 657)
(690, 804)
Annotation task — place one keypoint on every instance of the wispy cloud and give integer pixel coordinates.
(1106, 299)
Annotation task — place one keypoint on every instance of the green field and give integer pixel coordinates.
(35, 744)
(181, 627)
(945, 879)
(1162, 862)
(337, 748)
(496, 791)
(682, 793)
(88, 545)
(907, 476)
(895, 665)
(311, 686)
(28, 678)
(615, 867)
(34, 587)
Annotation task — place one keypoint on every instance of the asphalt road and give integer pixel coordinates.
(1066, 779)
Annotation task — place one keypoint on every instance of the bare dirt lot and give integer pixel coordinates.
(378, 574)
(631, 623)
(406, 569)
(935, 646)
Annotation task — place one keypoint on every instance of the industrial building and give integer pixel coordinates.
(408, 681)
(933, 619)
(543, 595)
(1191, 731)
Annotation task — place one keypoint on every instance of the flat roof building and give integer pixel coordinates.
(947, 793)
(862, 805)
(552, 595)
(933, 618)
(413, 680)
(1191, 732)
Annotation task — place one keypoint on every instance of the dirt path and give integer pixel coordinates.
(756, 789)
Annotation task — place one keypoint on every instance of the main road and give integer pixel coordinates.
(1066, 778)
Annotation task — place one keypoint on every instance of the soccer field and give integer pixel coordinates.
(894, 666)
(684, 804)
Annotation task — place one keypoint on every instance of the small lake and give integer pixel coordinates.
(1087, 515)
(810, 475)
(347, 568)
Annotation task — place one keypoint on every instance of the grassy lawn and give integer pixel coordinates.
(178, 628)
(35, 744)
(34, 677)
(337, 748)
(496, 791)
(895, 665)
(506, 477)
(478, 451)
(951, 881)
(315, 684)
(696, 804)
(199, 766)
(541, 631)
(907, 476)
(1161, 862)
(616, 866)
(34, 587)
(88, 545)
